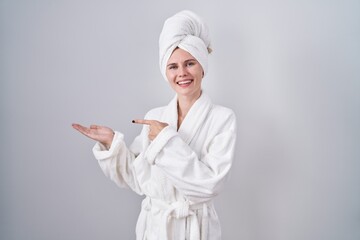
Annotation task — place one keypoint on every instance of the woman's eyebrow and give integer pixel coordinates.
(189, 60)
(171, 64)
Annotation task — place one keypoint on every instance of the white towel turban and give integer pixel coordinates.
(187, 31)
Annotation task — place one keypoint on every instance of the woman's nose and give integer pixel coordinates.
(182, 71)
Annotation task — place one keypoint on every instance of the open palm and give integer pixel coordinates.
(101, 134)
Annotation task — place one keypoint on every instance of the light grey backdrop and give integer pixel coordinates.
(289, 69)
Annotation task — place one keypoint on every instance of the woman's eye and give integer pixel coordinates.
(191, 63)
(172, 67)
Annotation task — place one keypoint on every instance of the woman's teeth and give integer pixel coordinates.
(184, 82)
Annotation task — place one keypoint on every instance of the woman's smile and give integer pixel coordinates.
(184, 83)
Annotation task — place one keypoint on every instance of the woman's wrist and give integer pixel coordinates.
(108, 144)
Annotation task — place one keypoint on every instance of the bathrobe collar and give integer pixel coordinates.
(193, 120)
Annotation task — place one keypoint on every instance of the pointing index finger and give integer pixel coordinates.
(142, 121)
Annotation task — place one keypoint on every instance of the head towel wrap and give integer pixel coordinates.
(187, 31)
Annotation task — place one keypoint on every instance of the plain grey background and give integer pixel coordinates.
(289, 69)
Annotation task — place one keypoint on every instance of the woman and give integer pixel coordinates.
(181, 158)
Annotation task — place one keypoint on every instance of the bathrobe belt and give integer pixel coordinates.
(179, 210)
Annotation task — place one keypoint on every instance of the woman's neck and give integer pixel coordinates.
(184, 104)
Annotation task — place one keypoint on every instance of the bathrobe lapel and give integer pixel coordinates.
(193, 120)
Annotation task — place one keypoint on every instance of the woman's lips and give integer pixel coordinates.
(184, 83)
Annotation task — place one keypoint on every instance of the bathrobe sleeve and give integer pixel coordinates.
(198, 179)
(117, 162)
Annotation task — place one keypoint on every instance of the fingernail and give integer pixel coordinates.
(133, 121)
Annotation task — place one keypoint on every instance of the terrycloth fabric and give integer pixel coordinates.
(179, 172)
(187, 31)
(178, 210)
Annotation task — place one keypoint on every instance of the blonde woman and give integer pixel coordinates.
(184, 152)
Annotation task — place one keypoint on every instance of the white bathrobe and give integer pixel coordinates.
(179, 172)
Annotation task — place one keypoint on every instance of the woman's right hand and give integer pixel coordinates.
(102, 134)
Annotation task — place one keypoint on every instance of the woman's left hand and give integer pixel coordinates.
(155, 127)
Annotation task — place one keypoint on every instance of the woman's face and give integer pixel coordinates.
(184, 73)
